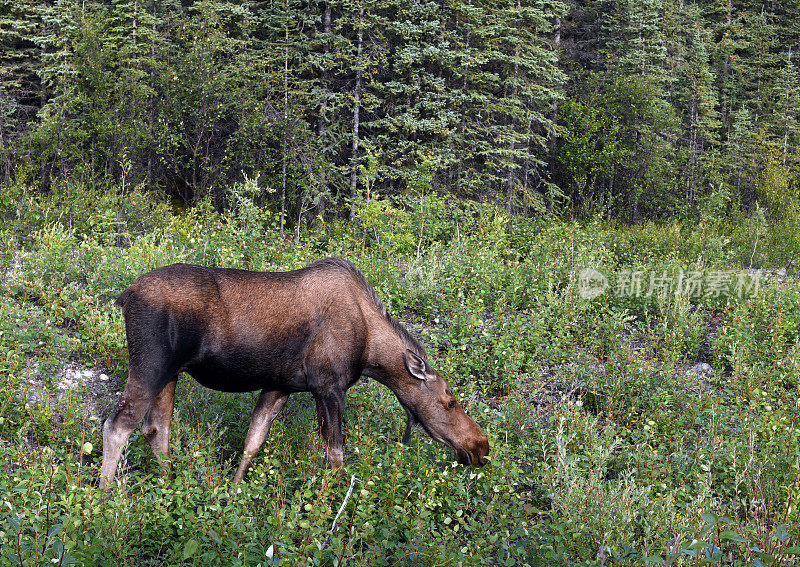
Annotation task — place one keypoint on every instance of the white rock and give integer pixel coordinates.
(700, 368)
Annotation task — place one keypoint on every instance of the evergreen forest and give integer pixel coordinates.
(586, 212)
(631, 110)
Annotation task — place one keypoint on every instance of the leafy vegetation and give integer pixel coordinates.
(588, 211)
(609, 446)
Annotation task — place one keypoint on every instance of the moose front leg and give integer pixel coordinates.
(330, 411)
(269, 405)
(410, 423)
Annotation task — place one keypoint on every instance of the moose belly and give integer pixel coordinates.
(246, 370)
(249, 358)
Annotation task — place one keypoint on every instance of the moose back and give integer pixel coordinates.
(316, 329)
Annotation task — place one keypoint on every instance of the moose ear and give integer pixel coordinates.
(415, 365)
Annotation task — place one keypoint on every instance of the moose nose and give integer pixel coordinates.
(479, 453)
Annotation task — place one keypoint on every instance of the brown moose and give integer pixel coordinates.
(316, 329)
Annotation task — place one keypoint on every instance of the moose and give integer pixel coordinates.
(317, 329)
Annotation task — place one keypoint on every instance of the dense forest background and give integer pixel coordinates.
(625, 109)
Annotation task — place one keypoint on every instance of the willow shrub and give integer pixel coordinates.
(604, 450)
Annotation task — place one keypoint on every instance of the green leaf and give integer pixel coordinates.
(53, 530)
(781, 533)
(730, 535)
(190, 548)
(709, 518)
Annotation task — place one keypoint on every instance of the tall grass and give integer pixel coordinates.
(606, 450)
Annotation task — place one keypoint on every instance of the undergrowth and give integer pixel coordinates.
(608, 445)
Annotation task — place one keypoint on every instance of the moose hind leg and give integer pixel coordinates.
(269, 405)
(133, 404)
(156, 423)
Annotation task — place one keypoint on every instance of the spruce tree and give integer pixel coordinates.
(20, 88)
(787, 95)
(698, 99)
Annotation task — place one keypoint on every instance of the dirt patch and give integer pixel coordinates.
(91, 386)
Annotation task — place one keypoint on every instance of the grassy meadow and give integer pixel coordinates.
(648, 425)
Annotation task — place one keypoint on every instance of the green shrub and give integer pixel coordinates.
(604, 450)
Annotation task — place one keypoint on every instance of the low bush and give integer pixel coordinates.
(610, 445)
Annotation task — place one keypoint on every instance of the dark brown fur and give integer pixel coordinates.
(316, 329)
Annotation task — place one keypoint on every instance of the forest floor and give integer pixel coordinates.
(624, 430)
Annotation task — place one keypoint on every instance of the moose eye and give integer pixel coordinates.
(451, 405)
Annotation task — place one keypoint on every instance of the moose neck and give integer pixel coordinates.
(384, 362)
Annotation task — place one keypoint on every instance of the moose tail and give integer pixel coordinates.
(123, 298)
